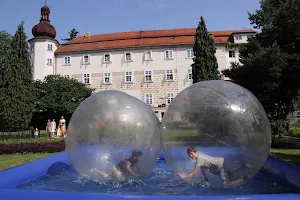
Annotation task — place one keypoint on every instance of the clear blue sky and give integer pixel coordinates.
(107, 16)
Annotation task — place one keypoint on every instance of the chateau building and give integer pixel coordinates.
(153, 66)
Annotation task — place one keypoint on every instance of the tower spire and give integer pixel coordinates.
(45, 2)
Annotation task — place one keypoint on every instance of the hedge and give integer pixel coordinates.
(46, 147)
(294, 132)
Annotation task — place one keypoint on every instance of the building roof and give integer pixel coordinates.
(150, 38)
(44, 29)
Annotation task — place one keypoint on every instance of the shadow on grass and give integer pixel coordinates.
(286, 144)
(292, 158)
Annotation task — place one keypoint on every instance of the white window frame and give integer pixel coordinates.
(109, 54)
(67, 76)
(125, 57)
(149, 99)
(167, 72)
(49, 61)
(231, 50)
(68, 61)
(148, 73)
(88, 57)
(110, 77)
(238, 37)
(190, 74)
(189, 53)
(125, 77)
(87, 76)
(169, 97)
(49, 47)
(167, 52)
(150, 53)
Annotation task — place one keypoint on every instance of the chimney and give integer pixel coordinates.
(87, 34)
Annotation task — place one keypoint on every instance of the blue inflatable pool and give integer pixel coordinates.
(30, 181)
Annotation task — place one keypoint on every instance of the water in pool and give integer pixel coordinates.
(162, 181)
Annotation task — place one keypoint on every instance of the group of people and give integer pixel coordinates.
(56, 131)
(214, 165)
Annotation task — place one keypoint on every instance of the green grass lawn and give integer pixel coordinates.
(289, 155)
(12, 160)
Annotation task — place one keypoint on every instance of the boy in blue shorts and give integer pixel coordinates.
(125, 166)
(214, 165)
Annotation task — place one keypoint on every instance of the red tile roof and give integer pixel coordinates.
(142, 39)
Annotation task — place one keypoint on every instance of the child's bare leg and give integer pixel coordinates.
(101, 173)
(235, 183)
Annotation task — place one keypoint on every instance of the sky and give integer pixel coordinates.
(108, 16)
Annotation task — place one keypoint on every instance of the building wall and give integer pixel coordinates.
(159, 87)
(40, 54)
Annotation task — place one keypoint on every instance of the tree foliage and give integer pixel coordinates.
(205, 66)
(56, 96)
(270, 62)
(72, 35)
(16, 87)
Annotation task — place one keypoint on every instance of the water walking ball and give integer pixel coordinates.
(109, 127)
(226, 125)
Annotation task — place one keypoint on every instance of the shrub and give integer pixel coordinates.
(294, 131)
(38, 147)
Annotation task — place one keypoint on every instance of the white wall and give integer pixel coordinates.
(117, 62)
(40, 56)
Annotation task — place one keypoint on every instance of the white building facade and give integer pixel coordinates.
(153, 66)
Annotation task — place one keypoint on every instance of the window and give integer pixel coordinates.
(169, 75)
(189, 53)
(67, 76)
(128, 57)
(190, 74)
(148, 76)
(107, 57)
(169, 54)
(149, 99)
(107, 78)
(49, 47)
(170, 97)
(86, 79)
(148, 55)
(49, 61)
(67, 60)
(231, 54)
(238, 37)
(86, 59)
(32, 48)
(128, 77)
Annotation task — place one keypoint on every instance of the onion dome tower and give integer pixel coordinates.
(43, 46)
(44, 29)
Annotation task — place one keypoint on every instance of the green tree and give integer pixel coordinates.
(72, 35)
(5, 40)
(270, 61)
(205, 66)
(56, 96)
(17, 88)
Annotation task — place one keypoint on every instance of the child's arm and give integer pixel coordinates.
(128, 167)
(195, 171)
